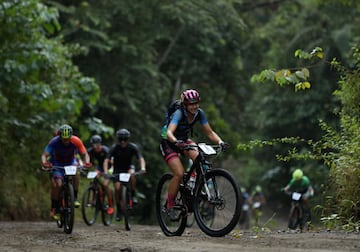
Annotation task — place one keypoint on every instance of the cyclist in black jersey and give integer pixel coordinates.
(98, 152)
(175, 135)
(122, 154)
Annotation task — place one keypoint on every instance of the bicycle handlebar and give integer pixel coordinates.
(207, 149)
(69, 169)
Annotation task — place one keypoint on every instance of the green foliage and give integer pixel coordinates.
(284, 77)
(338, 150)
(40, 89)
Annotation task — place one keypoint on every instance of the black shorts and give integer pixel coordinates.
(169, 150)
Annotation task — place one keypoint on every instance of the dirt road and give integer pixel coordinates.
(45, 236)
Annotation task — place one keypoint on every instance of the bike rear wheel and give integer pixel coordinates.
(223, 209)
(90, 205)
(106, 218)
(68, 209)
(169, 228)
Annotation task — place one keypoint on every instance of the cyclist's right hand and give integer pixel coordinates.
(180, 144)
(46, 166)
(224, 146)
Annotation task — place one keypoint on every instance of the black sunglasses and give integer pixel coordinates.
(123, 139)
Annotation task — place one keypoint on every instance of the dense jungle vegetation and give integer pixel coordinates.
(279, 80)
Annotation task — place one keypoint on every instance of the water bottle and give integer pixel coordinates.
(191, 182)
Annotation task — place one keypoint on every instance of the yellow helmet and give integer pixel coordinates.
(297, 174)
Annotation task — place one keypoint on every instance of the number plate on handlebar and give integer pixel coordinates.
(70, 169)
(296, 196)
(207, 149)
(124, 177)
(91, 174)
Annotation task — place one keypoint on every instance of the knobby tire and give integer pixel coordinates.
(68, 209)
(224, 207)
(90, 205)
(294, 217)
(125, 209)
(169, 228)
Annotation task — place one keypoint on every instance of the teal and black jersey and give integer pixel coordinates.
(184, 127)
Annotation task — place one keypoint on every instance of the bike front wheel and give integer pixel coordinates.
(126, 206)
(169, 227)
(294, 218)
(90, 205)
(218, 215)
(68, 209)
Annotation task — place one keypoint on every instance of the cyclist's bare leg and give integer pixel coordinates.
(108, 192)
(177, 169)
(119, 202)
(133, 181)
(76, 182)
(56, 185)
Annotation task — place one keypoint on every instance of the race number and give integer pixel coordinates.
(91, 174)
(207, 149)
(124, 177)
(296, 196)
(70, 170)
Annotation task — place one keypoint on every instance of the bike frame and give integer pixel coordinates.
(204, 166)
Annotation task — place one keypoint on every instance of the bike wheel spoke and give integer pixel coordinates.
(90, 205)
(169, 227)
(218, 215)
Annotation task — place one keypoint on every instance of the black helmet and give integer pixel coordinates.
(122, 134)
(95, 139)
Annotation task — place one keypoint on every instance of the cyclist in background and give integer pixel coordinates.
(122, 154)
(176, 136)
(257, 195)
(301, 184)
(98, 152)
(62, 151)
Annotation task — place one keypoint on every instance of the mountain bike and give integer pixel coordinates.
(215, 190)
(66, 197)
(297, 217)
(95, 199)
(126, 196)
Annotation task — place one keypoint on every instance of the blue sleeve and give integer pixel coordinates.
(176, 117)
(203, 119)
(48, 149)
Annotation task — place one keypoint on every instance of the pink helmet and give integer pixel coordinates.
(190, 96)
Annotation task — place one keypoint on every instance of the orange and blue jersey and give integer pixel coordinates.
(64, 154)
